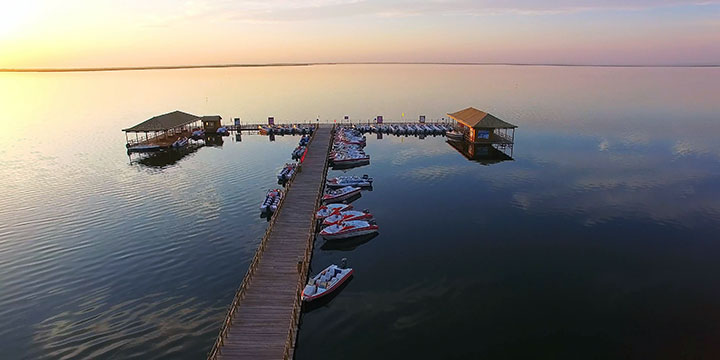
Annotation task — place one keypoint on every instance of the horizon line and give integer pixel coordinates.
(291, 64)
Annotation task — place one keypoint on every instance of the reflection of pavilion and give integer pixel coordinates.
(164, 158)
(486, 154)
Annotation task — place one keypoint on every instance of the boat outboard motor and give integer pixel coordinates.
(343, 263)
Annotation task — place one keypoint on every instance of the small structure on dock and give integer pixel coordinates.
(211, 123)
(161, 131)
(480, 127)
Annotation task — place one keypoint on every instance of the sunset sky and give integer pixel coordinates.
(97, 33)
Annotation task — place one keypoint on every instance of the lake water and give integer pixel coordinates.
(598, 239)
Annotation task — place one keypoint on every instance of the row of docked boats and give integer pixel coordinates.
(286, 129)
(339, 221)
(337, 218)
(273, 196)
(348, 149)
(407, 129)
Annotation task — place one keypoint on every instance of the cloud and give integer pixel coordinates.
(286, 10)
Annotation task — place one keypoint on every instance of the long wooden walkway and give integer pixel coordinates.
(262, 321)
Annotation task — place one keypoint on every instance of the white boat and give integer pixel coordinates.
(341, 194)
(270, 198)
(325, 282)
(348, 229)
(276, 201)
(197, 134)
(180, 142)
(348, 215)
(350, 159)
(454, 136)
(327, 210)
(304, 140)
(357, 181)
(144, 148)
(287, 172)
(299, 152)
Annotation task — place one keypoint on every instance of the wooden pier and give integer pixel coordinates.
(263, 317)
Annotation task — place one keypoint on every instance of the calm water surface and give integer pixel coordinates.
(597, 240)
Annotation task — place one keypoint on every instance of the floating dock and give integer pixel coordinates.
(263, 317)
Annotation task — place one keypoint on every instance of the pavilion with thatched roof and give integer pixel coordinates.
(480, 127)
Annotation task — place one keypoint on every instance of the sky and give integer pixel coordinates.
(105, 33)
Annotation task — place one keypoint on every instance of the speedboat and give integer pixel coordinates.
(304, 140)
(180, 142)
(349, 229)
(454, 136)
(222, 131)
(298, 152)
(144, 148)
(325, 282)
(330, 209)
(350, 159)
(349, 215)
(287, 172)
(334, 196)
(357, 181)
(276, 201)
(197, 134)
(270, 203)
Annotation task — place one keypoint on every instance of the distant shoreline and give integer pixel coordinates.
(210, 66)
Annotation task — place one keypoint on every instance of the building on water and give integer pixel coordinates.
(480, 127)
(160, 132)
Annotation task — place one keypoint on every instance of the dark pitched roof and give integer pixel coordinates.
(211, 118)
(164, 122)
(475, 118)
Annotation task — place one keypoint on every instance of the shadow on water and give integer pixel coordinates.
(348, 244)
(324, 301)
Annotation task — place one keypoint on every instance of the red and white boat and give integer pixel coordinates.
(341, 194)
(347, 216)
(330, 209)
(350, 159)
(349, 229)
(325, 282)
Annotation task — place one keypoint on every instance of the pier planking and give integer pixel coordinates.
(262, 322)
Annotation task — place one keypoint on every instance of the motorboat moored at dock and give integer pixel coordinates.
(339, 195)
(349, 229)
(272, 200)
(357, 181)
(327, 210)
(325, 282)
(349, 215)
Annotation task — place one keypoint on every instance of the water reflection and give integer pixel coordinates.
(214, 140)
(348, 244)
(324, 302)
(164, 158)
(486, 154)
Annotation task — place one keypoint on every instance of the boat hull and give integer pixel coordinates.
(350, 234)
(341, 198)
(330, 290)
